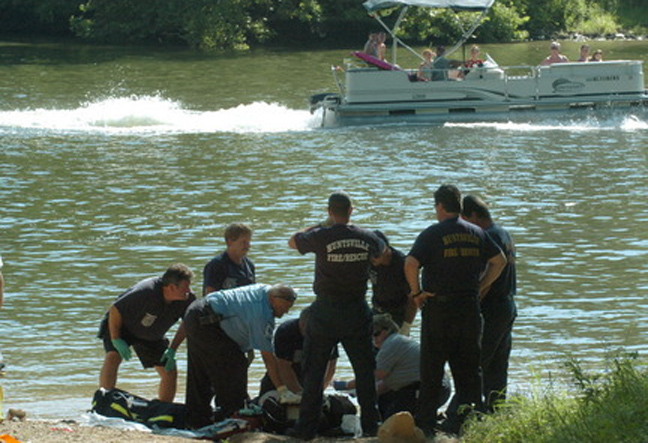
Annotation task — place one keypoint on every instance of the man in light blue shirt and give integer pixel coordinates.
(221, 328)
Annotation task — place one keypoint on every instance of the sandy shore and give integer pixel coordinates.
(62, 431)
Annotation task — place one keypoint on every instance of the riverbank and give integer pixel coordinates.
(63, 431)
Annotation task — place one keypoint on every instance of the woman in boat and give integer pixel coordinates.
(426, 67)
(597, 56)
(474, 60)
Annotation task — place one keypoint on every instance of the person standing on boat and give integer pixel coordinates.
(340, 313)
(459, 261)
(555, 56)
(390, 288)
(140, 317)
(221, 328)
(497, 306)
(232, 268)
(584, 53)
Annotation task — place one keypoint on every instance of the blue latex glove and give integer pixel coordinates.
(340, 385)
(122, 348)
(169, 360)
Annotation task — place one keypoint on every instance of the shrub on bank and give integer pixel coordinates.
(607, 407)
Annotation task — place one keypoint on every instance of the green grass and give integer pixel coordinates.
(611, 406)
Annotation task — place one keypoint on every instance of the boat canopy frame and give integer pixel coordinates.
(374, 7)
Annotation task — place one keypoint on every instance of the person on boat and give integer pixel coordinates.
(584, 53)
(340, 313)
(398, 375)
(497, 306)
(289, 350)
(232, 268)
(381, 37)
(443, 67)
(221, 328)
(458, 261)
(555, 56)
(597, 56)
(474, 60)
(371, 46)
(390, 288)
(426, 67)
(140, 317)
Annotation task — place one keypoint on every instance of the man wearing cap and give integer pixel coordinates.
(139, 318)
(221, 328)
(389, 286)
(459, 261)
(555, 56)
(497, 306)
(340, 313)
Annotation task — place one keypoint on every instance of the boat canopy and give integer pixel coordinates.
(473, 5)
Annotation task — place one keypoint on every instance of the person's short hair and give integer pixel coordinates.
(449, 197)
(475, 205)
(236, 230)
(384, 322)
(475, 48)
(440, 50)
(428, 51)
(339, 203)
(283, 291)
(175, 274)
(585, 47)
(555, 45)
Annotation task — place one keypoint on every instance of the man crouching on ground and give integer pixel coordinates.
(140, 317)
(221, 328)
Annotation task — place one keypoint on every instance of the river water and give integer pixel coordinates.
(118, 162)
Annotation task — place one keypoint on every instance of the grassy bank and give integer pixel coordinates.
(605, 407)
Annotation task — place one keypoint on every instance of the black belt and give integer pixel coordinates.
(208, 316)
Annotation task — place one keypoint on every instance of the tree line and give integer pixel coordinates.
(241, 24)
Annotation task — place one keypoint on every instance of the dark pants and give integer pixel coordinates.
(450, 332)
(215, 366)
(330, 323)
(499, 315)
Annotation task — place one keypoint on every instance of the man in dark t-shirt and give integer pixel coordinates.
(232, 268)
(459, 260)
(289, 349)
(340, 313)
(140, 317)
(497, 306)
(390, 288)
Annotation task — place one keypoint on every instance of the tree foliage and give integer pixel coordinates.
(212, 24)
